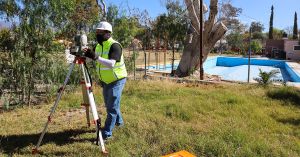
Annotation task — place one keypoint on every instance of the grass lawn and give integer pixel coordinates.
(165, 117)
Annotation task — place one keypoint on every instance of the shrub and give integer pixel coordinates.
(265, 78)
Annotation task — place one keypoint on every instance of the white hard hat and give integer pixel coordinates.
(104, 26)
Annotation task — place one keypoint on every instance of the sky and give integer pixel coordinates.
(253, 10)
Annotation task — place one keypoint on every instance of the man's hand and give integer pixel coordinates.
(90, 54)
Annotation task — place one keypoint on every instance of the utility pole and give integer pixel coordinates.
(201, 40)
(249, 55)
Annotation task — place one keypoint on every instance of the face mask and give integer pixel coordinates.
(102, 37)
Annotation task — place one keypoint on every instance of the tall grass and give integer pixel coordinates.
(164, 117)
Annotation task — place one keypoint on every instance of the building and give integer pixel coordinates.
(283, 49)
(292, 49)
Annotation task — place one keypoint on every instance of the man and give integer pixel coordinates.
(112, 73)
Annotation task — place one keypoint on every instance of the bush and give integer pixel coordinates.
(265, 78)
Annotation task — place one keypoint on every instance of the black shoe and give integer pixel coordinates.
(119, 124)
(107, 139)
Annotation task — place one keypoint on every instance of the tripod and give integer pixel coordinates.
(88, 95)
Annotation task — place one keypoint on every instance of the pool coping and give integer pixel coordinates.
(294, 66)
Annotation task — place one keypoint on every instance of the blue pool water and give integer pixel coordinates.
(236, 68)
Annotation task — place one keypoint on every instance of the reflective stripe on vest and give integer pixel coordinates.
(106, 74)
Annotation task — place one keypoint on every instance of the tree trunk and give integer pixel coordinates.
(211, 34)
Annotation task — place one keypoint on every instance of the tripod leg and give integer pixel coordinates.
(85, 102)
(61, 89)
(93, 108)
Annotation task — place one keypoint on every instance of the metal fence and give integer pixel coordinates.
(140, 63)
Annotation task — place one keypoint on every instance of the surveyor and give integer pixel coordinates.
(112, 74)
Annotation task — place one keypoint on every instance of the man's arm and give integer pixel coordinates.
(114, 55)
(115, 52)
(110, 63)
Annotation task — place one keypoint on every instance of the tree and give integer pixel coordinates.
(70, 15)
(171, 27)
(112, 13)
(125, 29)
(229, 15)
(37, 19)
(256, 46)
(295, 28)
(289, 31)
(6, 40)
(257, 27)
(277, 34)
(211, 34)
(271, 23)
(235, 41)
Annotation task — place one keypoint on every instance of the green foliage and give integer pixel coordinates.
(171, 27)
(271, 23)
(256, 46)
(112, 13)
(229, 52)
(277, 34)
(129, 61)
(235, 40)
(229, 15)
(32, 57)
(295, 28)
(8, 9)
(70, 15)
(125, 29)
(61, 11)
(259, 35)
(265, 78)
(257, 27)
(6, 40)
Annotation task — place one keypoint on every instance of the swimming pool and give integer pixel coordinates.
(236, 68)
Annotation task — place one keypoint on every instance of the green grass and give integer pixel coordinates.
(164, 117)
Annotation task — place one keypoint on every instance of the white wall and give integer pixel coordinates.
(289, 49)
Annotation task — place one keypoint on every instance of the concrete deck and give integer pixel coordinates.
(296, 67)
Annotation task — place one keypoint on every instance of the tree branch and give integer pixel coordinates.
(193, 15)
(211, 20)
(197, 8)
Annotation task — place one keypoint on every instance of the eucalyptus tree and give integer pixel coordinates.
(171, 26)
(37, 21)
(69, 16)
(112, 14)
(125, 29)
(211, 34)
(6, 40)
(160, 29)
(33, 36)
(235, 41)
(229, 16)
(257, 27)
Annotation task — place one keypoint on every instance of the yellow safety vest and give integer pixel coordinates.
(106, 74)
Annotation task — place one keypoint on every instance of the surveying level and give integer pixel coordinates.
(80, 42)
(88, 92)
